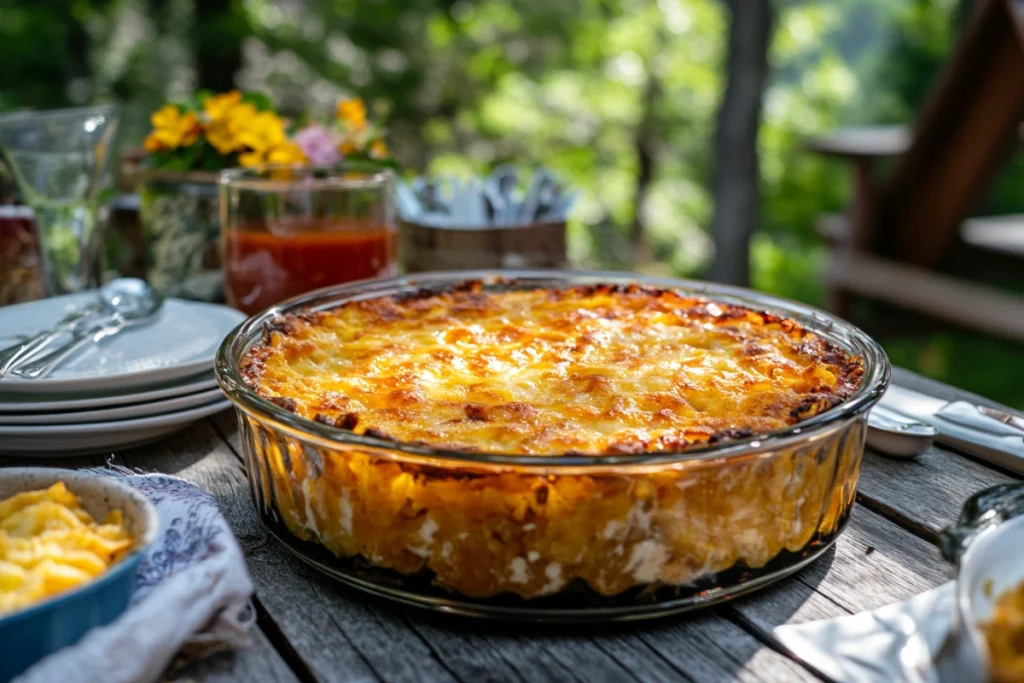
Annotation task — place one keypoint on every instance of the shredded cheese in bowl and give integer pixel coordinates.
(50, 544)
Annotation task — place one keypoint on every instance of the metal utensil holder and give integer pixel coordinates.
(431, 248)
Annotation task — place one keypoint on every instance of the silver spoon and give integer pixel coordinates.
(131, 301)
(896, 436)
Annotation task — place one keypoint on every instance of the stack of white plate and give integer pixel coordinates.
(136, 387)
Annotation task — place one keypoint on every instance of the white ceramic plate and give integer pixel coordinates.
(153, 408)
(181, 342)
(98, 437)
(34, 403)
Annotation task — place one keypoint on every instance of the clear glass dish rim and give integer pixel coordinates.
(873, 385)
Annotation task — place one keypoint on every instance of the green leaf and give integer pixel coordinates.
(261, 101)
(105, 195)
(202, 96)
(389, 163)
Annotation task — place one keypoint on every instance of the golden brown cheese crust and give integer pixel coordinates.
(587, 369)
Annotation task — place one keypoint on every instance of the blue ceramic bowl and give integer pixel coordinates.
(30, 634)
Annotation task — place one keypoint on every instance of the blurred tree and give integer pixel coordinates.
(646, 140)
(219, 29)
(45, 52)
(620, 97)
(736, 176)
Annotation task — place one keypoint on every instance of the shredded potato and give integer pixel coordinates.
(50, 544)
(1005, 635)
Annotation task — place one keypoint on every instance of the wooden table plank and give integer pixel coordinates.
(707, 647)
(476, 651)
(877, 563)
(336, 637)
(926, 494)
(701, 646)
(260, 662)
(894, 488)
(874, 563)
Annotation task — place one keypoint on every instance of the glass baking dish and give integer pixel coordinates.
(553, 537)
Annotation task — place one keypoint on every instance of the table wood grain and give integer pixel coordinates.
(310, 628)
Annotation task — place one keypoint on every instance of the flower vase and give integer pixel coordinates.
(180, 214)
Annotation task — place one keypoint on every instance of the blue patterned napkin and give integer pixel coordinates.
(191, 598)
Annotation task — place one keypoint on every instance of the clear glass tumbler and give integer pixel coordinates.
(59, 160)
(287, 230)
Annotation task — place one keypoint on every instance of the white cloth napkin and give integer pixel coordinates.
(191, 598)
(907, 642)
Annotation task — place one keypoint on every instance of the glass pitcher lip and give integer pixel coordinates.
(67, 112)
(376, 174)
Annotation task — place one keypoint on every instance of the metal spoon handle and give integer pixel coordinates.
(12, 355)
(40, 367)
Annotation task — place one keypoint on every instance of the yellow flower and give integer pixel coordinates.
(288, 153)
(379, 149)
(262, 132)
(224, 130)
(218, 132)
(353, 112)
(218, 106)
(250, 159)
(172, 129)
(266, 141)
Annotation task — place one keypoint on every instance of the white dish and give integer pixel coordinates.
(97, 437)
(985, 544)
(61, 402)
(181, 342)
(153, 408)
(992, 565)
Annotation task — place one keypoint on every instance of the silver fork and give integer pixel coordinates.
(23, 351)
(42, 365)
(131, 302)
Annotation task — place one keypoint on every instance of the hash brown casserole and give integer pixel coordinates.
(585, 370)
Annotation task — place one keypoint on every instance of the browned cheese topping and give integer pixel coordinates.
(588, 369)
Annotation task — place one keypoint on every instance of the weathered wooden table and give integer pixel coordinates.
(313, 629)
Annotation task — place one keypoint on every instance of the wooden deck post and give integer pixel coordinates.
(961, 137)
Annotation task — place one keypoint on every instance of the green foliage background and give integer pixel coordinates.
(467, 85)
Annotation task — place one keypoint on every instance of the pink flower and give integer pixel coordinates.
(317, 143)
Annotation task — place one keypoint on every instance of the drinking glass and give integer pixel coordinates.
(59, 161)
(287, 230)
